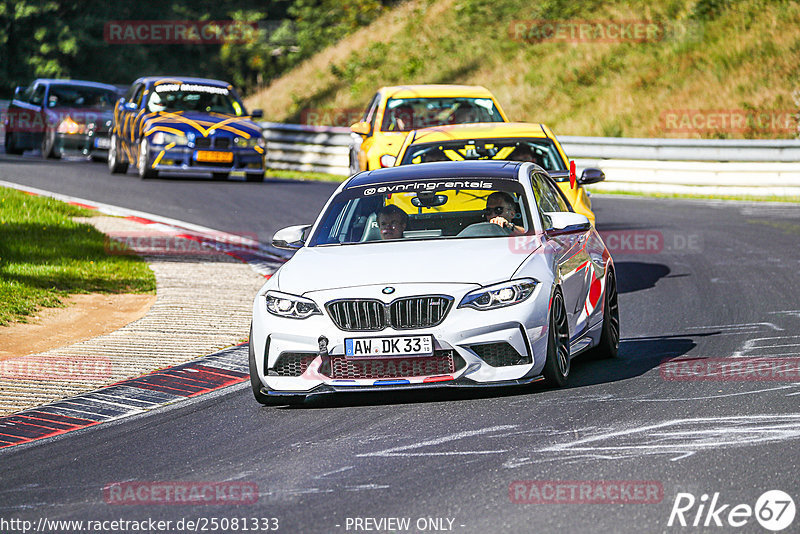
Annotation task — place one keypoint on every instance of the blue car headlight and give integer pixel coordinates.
(252, 142)
(290, 306)
(499, 295)
(166, 138)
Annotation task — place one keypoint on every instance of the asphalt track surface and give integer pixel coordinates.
(722, 283)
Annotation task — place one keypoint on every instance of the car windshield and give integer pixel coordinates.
(194, 97)
(451, 208)
(540, 151)
(79, 96)
(406, 114)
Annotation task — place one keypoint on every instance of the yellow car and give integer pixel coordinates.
(515, 141)
(394, 111)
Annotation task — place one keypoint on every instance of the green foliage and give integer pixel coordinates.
(65, 39)
(709, 9)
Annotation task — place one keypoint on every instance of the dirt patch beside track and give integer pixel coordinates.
(84, 317)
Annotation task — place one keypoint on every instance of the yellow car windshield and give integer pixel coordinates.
(406, 114)
(540, 151)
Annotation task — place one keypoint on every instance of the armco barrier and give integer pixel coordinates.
(308, 148)
(771, 166)
(767, 150)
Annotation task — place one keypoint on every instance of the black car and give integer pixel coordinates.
(61, 117)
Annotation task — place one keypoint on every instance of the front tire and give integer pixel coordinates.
(11, 146)
(49, 145)
(557, 364)
(115, 163)
(254, 176)
(609, 338)
(255, 382)
(145, 172)
(219, 176)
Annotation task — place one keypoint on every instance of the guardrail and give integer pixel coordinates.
(695, 166)
(682, 149)
(326, 149)
(308, 148)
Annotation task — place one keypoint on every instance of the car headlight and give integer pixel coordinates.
(243, 142)
(290, 306)
(499, 295)
(165, 138)
(70, 127)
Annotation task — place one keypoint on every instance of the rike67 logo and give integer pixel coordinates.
(774, 510)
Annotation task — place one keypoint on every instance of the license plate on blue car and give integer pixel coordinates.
(371, 347)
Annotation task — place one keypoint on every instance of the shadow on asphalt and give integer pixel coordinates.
(636, 275)
(636, 357)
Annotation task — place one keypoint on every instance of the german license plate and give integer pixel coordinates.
(210, 156)
(370, 347)
(102, 142)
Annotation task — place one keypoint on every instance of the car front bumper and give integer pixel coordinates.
(184, 160)
(83, 144)
(517, 334)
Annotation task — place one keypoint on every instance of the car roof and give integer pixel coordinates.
(183, 79)
(485, 130)
(504, 170)
(436, 90)
(82, 83)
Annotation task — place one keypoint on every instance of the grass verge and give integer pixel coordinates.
(303, 175)
(748, 198)
(45, 255)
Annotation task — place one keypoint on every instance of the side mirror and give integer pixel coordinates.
(564, 222)
(290, 238)
(18, 91)
(257, 113)
(591, 175)
(361, 128)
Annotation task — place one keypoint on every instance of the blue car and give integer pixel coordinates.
(60, 117)
(186, 125)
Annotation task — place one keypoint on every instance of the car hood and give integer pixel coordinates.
(201, 124)
(479, 261)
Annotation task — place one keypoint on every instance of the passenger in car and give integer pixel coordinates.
(501, 210)
(392, 222)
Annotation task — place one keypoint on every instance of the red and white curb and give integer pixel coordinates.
(159, 388)
(127, 398)
(264, 259)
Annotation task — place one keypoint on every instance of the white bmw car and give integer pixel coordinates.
(432, 275)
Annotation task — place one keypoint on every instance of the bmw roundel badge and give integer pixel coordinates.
(388, 290)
